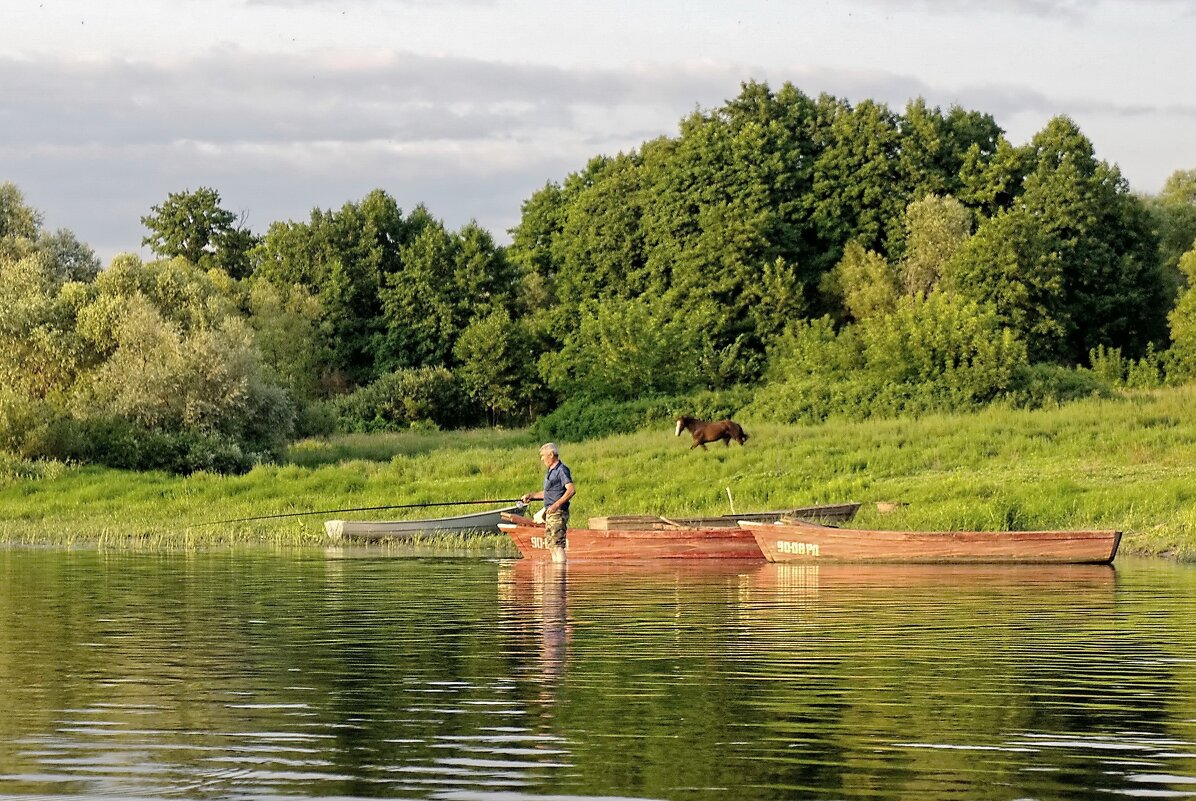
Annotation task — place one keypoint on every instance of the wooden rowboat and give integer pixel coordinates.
(824, 513)
(650, 537)
(386, 529)
(798, 541)
(663, 542)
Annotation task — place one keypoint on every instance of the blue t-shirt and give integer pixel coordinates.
(554, 484)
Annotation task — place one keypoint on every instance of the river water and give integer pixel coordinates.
(311, 674)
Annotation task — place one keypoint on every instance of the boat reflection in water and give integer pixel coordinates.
(1001, 588)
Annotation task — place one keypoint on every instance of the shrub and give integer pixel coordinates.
(124, 445)
(1039, 385)
(943, 340)
(625, 349)
(814, 348)
(586, 418)
(397, 400)
(1115, 370)
(315, 419)
(934, 353)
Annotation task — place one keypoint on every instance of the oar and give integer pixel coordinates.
(358, 509)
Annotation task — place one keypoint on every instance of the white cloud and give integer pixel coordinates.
(95, 142)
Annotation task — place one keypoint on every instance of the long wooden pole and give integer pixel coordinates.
(357, 509)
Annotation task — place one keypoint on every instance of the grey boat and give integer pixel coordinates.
(396, 529)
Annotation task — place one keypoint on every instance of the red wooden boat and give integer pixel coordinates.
(650, 537)
(666, 542)
(799, 541)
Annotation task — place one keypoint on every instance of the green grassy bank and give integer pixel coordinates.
(1128, 463)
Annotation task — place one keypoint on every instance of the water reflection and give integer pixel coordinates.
(296, 675)
(535, 597)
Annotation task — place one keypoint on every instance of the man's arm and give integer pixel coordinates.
(570, 491)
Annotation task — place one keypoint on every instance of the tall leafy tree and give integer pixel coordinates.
(496, 365)
(1071, 263)
(1011, 265)
(343, 257)
(857, 192)
(194, 226)
(1173, 214)
(1101, 233)
(18, 220)
(936, 229)
(1182, 355)
(866, 282)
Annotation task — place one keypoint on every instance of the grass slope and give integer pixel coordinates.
(1125, 463)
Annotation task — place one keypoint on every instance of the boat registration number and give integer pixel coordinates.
(797, 548)
(539, 542)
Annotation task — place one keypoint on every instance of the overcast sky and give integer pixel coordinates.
(469, 106)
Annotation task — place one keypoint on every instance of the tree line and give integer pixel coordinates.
(794, 255)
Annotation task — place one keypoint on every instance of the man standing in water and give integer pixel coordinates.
(558, 489)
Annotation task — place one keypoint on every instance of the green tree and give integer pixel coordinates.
(992, 181)
(1173, 216)
(1101, 234)
(285, 321)
(496, 364)
(1068, 258)
(156, 353)
(18, 220)
(601, 246)
(194, 226)
(625, 349)
(1181, 357)
(1011, 265)
(343, 257)
(866, 283)
(857, 191)
(936, 229)
(419, 304)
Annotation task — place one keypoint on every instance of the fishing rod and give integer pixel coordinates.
(358, 509)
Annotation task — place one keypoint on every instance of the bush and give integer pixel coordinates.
(625, 349)
(315, 419)
(814, 348)
(938, 353)
(810, 400)
(1039, 385)
(397, 400)
(943, 340)
(117, 443)
(587, 418)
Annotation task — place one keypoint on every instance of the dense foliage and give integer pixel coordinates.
(139, 365)
(784, 256)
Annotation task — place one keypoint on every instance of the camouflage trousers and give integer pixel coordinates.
(555, 524)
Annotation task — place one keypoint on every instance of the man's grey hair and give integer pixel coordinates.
(550, 446)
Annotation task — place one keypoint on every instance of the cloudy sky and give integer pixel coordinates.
(469, 106)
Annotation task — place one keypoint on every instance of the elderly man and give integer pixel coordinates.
(558, 489)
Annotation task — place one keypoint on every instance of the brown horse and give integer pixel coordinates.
(704, 432)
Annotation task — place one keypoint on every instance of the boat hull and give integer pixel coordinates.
(796, 541)
(396, 529)
(824, 513)
(620, 544)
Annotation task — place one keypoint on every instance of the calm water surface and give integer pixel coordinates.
(262, 675)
